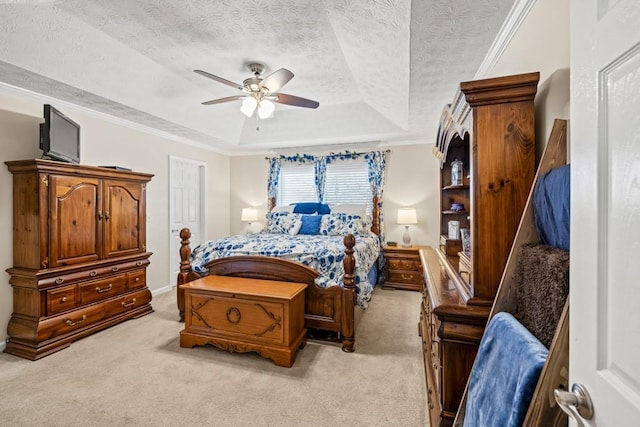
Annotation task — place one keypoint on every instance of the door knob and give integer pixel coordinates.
(577, 403)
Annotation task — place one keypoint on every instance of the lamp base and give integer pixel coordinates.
(406, 237)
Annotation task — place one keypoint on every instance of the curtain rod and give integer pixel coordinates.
(388, 150)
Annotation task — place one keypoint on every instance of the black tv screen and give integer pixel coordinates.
(59, 136)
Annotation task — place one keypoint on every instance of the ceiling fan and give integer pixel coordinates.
(260, 93)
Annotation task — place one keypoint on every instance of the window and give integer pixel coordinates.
(297, 183)
(347, 181)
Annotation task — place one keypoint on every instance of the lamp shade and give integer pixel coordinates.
(407, 216)
(249, 214)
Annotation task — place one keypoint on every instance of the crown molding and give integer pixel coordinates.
(510, 26)
(35, 96)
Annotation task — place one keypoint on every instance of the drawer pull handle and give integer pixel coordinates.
(137, 279)
(125, 305)
(59, 280)
(93, 273)
(102, 291)
(407, 276)
(114, 269)
(138, 263)
(70, 322)
(63, 299)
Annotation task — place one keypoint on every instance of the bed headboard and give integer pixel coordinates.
(375, 214)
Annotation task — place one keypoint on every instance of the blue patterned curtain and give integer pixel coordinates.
(273, 179)
(321, 173)
(377, 162)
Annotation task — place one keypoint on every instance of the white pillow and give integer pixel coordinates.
(287, 208)
(349, 209)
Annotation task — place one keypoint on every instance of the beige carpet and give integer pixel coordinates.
(137, 374)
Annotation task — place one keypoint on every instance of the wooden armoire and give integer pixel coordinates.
(79, 253)
(489, 127)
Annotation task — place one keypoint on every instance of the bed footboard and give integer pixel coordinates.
(328, 309)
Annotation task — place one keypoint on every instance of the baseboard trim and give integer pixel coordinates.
(161, 291)
(3, 345)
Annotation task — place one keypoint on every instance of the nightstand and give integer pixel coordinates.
(404, 270)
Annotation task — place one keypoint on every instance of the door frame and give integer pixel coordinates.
(202, 172)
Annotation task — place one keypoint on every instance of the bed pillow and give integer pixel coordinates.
(282, 209)
(305, 207)
(311, 208)
(283, 223)
(341, 224)
(323, 209)
(349, 209)
(551, 207)
(310, 224)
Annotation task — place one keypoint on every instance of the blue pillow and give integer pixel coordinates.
(306, 207)
(551, 201)
(310, 224)
(323, 209)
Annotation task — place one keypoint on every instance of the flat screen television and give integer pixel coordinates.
(59, 136)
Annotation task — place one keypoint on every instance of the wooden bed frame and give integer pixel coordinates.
(326, 309)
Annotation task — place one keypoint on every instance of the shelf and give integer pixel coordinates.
(455, 212)
(455, 187)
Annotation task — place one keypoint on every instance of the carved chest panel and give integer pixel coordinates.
(241, 315)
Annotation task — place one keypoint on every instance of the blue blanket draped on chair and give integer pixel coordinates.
(504, 375)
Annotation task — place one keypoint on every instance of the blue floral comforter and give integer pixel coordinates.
(322, 253)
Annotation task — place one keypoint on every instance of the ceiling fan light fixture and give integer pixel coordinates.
(265, 109)
(249, 106)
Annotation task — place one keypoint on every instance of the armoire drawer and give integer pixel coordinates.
(70, 322)
(127, 302)
(61, 299)
(136, 279)
(97, 290)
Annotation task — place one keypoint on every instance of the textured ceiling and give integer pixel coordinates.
(381, 69)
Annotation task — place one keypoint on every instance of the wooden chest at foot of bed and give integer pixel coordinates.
(241, 315)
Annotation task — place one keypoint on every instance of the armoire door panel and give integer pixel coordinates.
(124, 218)
(75, 216)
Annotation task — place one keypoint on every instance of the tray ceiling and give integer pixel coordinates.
(382, 70)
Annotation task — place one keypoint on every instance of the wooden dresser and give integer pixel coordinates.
(489, 127)
(403, 268)
(79, 253)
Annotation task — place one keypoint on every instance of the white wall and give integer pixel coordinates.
(542, 44)
(412, 180)
(106, 142)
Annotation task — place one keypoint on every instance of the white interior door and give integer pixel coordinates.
(186, 205)
(605, 207)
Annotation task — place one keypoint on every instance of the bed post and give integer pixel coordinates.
(375, 216)
(349, 296)
(185, 268)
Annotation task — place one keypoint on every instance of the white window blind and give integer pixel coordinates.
(347, 181)
(297, 184)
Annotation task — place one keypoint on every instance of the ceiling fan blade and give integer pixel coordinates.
(221, 100)
(283, 98)
(277, 79)
(219, 79)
